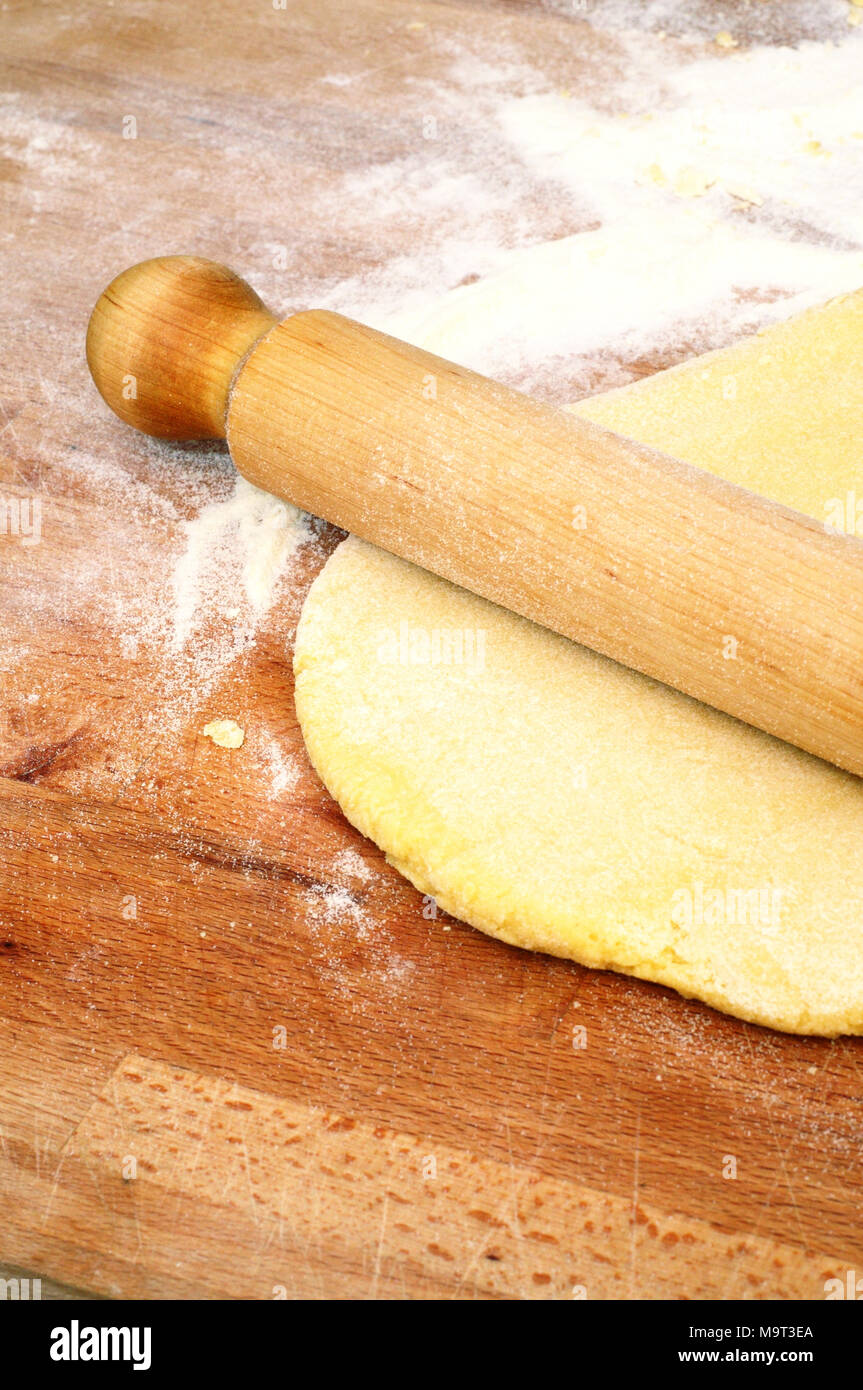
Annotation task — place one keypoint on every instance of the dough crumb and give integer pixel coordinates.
(725, 40)
(226, 733)
(657, 175)
(692, 182)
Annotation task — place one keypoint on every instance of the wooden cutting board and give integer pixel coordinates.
(237, 1059)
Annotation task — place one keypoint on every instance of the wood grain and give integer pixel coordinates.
(323, 1205)
(165, 905)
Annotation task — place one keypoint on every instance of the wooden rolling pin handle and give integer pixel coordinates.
(727, 596)
(164, 342)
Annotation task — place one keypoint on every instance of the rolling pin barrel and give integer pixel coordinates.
(727, 596)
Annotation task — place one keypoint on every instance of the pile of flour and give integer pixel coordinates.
(264, 534)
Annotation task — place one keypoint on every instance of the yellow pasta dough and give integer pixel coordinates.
(560, 802)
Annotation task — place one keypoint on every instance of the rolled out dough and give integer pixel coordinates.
(560, 802)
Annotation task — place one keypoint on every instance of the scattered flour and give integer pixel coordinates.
(282, 771)
(348, 861)
(355, 951)
(267, 533)
(616, 285)
(787, 123)
(336, 905)
(727, 182)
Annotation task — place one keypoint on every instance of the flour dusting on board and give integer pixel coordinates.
(267, 533)
(351, 863)
(708, 216)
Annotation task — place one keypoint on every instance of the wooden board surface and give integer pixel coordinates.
(236, 1059)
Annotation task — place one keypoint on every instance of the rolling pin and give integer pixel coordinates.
(729, 597)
